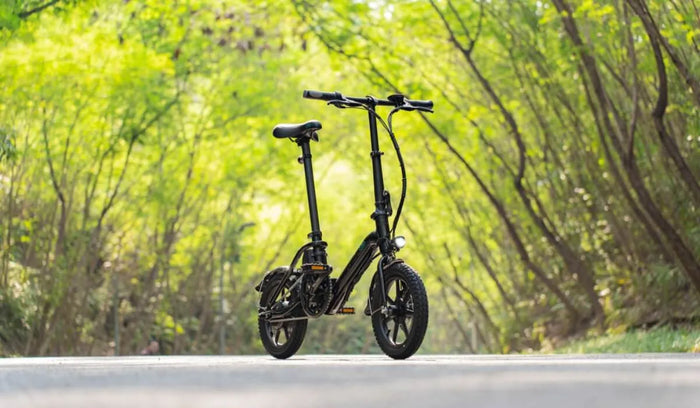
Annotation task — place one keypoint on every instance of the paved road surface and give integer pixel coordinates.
(620, 381)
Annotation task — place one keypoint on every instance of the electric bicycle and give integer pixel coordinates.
(397, 301)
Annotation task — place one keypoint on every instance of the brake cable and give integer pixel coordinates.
(403, 171)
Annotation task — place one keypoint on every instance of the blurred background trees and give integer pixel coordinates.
(553, 193)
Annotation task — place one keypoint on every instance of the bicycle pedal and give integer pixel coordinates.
(346, 310)
(316, 268)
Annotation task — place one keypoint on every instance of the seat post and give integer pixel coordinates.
(315, 234)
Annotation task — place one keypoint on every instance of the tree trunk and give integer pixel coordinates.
(684, 255)
(657, 114)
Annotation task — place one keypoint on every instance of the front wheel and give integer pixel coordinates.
(400, 323)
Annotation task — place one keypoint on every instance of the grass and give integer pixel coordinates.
(659, 340)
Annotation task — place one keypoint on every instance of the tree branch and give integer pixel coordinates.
(25, 14)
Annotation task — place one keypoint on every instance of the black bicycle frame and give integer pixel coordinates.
(380, 239)
(367, 251)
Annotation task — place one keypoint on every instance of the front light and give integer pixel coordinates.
(399, 242)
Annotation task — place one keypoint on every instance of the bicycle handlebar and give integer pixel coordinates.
(393, 100)
(324, 96)
(420, 103)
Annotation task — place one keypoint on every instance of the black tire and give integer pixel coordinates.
(400, 324)
(281, 340)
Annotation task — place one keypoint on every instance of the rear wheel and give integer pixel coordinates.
(281, 339)
(401, 322)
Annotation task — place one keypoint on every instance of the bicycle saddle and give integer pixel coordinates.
(294, 131)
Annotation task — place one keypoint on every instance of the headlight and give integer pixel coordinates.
(399, 242)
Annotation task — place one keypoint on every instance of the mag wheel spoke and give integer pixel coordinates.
(386, 330)
(280, 333)
(408, 322)
(395, 332)
(276, 336)
(404, 328)
(389, 299)
(408, 307)
(399, 312)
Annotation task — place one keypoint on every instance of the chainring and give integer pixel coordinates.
(316, 302)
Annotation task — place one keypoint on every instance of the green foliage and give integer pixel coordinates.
(659, 340)
(135, 144)
(7, 147)
(17, 314)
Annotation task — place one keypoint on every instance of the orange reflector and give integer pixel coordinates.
(347, 310)
(318, 267)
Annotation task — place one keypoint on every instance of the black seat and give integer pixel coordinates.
(283, 131)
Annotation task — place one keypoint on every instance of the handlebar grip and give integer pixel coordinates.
(324, 96)
(420, 104)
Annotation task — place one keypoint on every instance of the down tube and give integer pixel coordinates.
(353, 271)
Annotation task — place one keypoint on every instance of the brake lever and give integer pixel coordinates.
(409, 108)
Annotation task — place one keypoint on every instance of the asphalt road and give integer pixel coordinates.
(656, 380)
